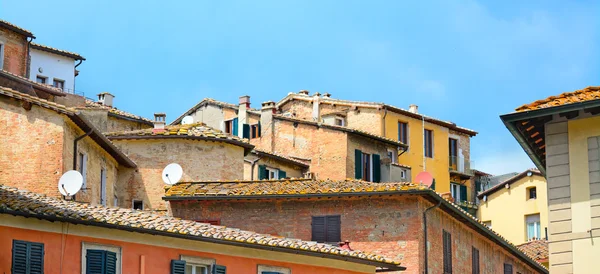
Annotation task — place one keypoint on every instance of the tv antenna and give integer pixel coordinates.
(70, 183)
(172, 174)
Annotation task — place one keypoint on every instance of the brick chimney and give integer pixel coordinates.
(413, 108)
(266, 113)
(316, 113)
(243, 107)
(160, 119)
(303, 92)
(106, 99)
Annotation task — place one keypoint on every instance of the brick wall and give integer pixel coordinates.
(387, 225)
(200, 160)
(15, 52)
(365, 145)
(292, 171)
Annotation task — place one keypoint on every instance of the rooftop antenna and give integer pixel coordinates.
(70, 183)
(172, 174)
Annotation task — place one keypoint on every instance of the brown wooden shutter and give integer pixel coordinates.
(447, 245)
(475, 260)
(333, 227)
(318, 229)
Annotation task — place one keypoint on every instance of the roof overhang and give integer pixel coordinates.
(528, 127)
(116, 115)
(64, 53)
(16, 29)
(279, 158)
(247, 146)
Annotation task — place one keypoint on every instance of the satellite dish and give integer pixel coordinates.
(187, 120)
(70, 183)
(172, 174)
(424, 178)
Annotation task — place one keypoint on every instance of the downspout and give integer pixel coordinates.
(252, 167)
(80, 61)
(425, 227)
(384, 115)
(28, 64)
(75, 147)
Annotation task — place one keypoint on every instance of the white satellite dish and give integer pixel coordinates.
(172, 174)
(70, 183)
(187, 120)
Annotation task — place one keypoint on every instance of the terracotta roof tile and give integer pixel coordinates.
(36, 205)
(95, 105)
(16, 28)
(57, 51)
(537, 249)
(578, 96)
(36, 100)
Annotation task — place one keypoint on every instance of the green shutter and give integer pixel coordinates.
(282, 174)
(477, 186)
(357, 164)
(262, 172)
(433, 184)
(259, 130)
(246, 131)
(234, 126)
(177, 267)
(94, 263)
(219, 269)
(110, 264)
(463, 193)
(376, 168)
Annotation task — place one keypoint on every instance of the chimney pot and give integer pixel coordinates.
(317, 94)
(303, 92)
(160, 119)
(245, 100)
(106, 99)
(326, 95)
(413, 108)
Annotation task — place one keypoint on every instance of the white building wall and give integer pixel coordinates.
(53, 67)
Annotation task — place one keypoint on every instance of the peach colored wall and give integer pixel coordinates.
(157, 259)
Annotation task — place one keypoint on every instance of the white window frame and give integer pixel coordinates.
(269, 268)
(453, 192)
(336, 119)
(103, 193)
(83, 168)
(199, 261)
(54, 80)
(537, 228)
(133, 203)
(112, 248)
(407, 133)
(394, 155)
(403, 174)
(275, 171)
(43, 77)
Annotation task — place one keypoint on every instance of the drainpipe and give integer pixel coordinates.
(75, 147)
(28, 64)
(384, 115)
(425, 227)
(252, 167)
(80, 61)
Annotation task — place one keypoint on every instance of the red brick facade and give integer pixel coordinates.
(388, 225)
(15, 52)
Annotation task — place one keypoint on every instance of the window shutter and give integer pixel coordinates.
(376, 168)
(357, 164)
(333, 229)
(508, 269)
(259, 130)
(282, 174)
(318, 229)
(234, 126)
(177, 267)
(36, 258)
(219, 269)
(475, 260)
(463, 192)
(433, 184)
(447, 246)
(19, 257)
(110, 264)
(246, 131)
(95, 261)
(262, 172)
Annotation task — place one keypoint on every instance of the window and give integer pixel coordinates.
(459, 192)
(475, 260)
(392, 155)
(97, 258)
(103, 186)
(270, 173)
(229, 126)
(402, 174)
(453, 151)
(138, 205)
(403, 132)
(428, 143)
(27, 257)
(41, 79)
(83, 168)
(488, 224)
(1, 56)
(255, 131)
(533, 227)
(339, 121)
(326, 229)
(508, 269)
(267, 269)
(196, 265)
(447, 244)
(59, 83)
(367, 166)
(531, 193)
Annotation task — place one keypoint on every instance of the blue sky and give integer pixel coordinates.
(464, 61)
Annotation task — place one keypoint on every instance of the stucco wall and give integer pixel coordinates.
(15, 52)
(54, 67)
(292, 171)
(507, 208)
(200, 160)
(119, 124)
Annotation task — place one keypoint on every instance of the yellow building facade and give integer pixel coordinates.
(517, 208)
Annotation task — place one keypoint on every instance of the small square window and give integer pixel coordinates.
(138, 205)
(254, 131)
(229, 126)
(531, 193)
(197, 265)
(59, 83)
(41, 79)
(339, 121)
(403, 174)
(272, 174)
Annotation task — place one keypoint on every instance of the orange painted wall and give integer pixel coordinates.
(157, 259)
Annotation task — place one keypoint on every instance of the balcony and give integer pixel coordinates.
(459, 165)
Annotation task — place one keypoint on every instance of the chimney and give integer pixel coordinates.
(266, 113)
(326, 95)
(303, 92)
(316, 113)
(413, 108)
(160, 119)
(106, 99)
(243, 114)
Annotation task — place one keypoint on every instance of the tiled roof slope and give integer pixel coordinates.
(19, 202)
(57, 51)
(343, 128)
(210, 101)
(95, 105)
(190, 131)
(537, 249)
(578, 96)
(44, 87)
(16, 28)
(448, 124)
(278, 156)
(293, 188)
(509, 181)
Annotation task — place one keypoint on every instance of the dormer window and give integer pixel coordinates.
(339, 121)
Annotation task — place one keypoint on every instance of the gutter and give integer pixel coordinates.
(252, 167)
(28, 54)
(75, 147)
(392, 267)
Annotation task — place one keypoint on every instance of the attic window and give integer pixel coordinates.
(339, 121)
(531, 193)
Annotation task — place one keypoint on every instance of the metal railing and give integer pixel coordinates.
(459, 164)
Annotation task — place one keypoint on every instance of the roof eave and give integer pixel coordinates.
(18, 30)
(116, 115)
(246, 146)
(283, 159)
